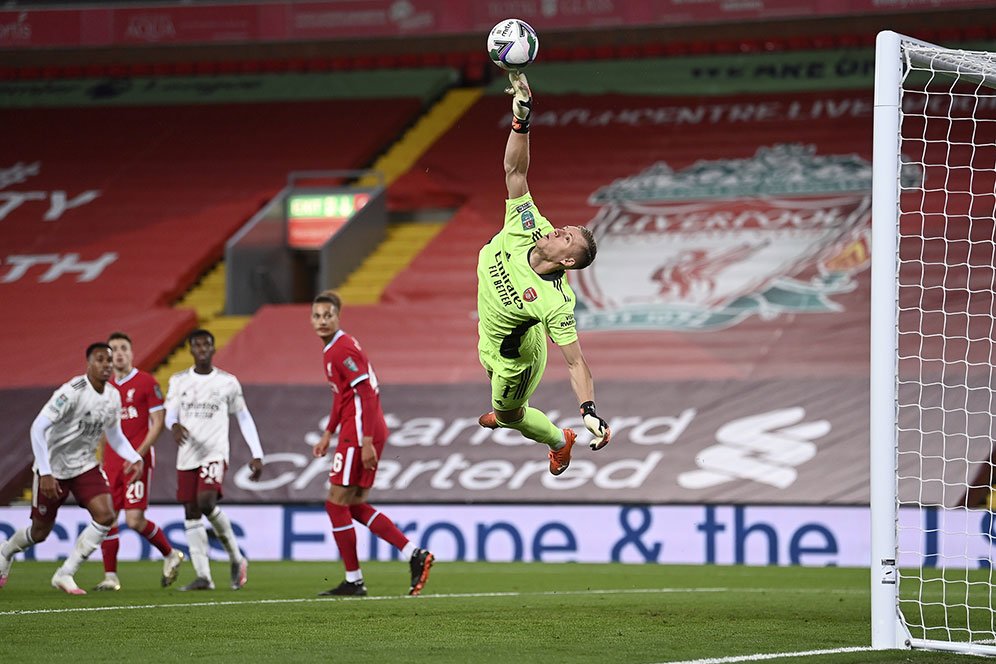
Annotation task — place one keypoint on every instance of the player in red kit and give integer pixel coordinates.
(357, 413)
(142, 417)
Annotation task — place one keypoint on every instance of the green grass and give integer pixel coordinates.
(470, 612)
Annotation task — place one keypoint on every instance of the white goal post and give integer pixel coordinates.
(933, 347)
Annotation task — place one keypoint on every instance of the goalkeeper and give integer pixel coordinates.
(523, 296)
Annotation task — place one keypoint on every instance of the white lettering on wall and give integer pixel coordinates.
(58, 266)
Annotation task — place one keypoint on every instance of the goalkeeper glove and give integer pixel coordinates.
(522, 101)
(598, 427)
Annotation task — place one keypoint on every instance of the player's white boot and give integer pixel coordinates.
(110, 582)
(5, 564)
(171, 567)
(66, 583)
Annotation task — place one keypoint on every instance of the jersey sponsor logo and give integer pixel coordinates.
(528, 221)
(503, 284)
(529, 295)
(351, 364)
(568, 321)
(522, 207)
(129, 413)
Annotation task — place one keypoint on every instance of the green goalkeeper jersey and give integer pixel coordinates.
(511, 298)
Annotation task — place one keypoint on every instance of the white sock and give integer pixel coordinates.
(223, 529)
(354, 576)
(409, 551)
(19, 541)
(197, 540)
(86, 543)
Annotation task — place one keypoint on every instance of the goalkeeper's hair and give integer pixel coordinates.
(329, 297)
(591, 248)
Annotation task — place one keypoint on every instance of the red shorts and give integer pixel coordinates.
(134, 496)
(189, 483)
(347, 465)
(84, 487)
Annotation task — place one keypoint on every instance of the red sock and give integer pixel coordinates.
(109, 551)
(379, 524)
(344, 534)
(156, 537)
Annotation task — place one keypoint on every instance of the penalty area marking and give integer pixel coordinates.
(765, 656)
(310, 600)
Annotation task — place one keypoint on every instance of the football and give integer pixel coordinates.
(512, 44)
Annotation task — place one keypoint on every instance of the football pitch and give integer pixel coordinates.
(469, 612)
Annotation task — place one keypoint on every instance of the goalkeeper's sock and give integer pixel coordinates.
(345, 538)
(223, 529)
(379, 524)
(109, 551)
(535, 425)
(86, 543)
(197, 540)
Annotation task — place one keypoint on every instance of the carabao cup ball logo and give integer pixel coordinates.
(512, 44)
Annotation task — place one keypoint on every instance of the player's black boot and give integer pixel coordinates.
(346, 588)
(420, 564)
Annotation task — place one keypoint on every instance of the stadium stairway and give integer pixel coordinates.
(207, 299)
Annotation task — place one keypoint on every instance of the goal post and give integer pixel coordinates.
(933, 346)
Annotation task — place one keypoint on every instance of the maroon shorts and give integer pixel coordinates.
(347, 465)
(134, 496)
(189, 483)
(84, 487)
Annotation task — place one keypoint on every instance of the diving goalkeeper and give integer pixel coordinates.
(523, 296)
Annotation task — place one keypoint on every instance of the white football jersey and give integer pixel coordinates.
(203, 403)
(79, 415)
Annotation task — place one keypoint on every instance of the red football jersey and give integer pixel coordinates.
(346, 367)
(140, 395)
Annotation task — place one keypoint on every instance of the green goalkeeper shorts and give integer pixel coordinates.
(514, 381)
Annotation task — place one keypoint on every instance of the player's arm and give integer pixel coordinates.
(517, 146)
(157, 418)
(172, 407)
(584, 390)
(322, 446)
(47, 484)
(247, 425)
(116, 439)
(368, 418)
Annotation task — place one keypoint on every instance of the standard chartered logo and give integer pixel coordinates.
(764, 448)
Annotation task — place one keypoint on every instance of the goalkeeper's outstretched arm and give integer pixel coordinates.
(517, 146)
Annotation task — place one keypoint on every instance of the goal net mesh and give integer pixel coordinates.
(946, 383)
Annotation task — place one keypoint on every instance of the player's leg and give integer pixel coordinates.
(193, 526)
(337, 505)
(207, 499)
(510, 392)
(43, 511)
(91, 491)
(419, 560)
(109, 547)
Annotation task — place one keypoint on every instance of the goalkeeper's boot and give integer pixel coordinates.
(346, 589)
(200, 583)
(110, 582)
(240, 573)
(171, 567)
(561, 459)
(5, 564)
(420, 564)
(488, 420)
(66, 583)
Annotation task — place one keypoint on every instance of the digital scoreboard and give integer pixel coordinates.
(312, 218)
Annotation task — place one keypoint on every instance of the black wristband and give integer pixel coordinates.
(588, 408)
(520, 126)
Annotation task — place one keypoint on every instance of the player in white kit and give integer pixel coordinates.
(199, 402)
(64, 439)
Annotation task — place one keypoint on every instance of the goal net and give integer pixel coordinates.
(933, 352)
